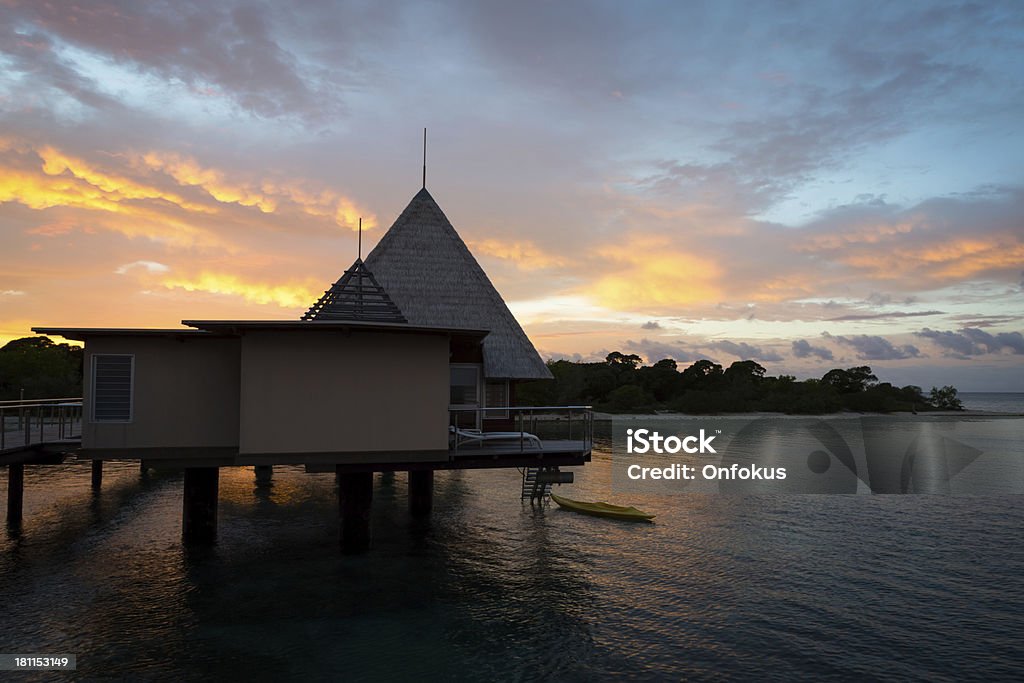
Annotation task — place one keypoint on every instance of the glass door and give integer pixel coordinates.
(464, 397)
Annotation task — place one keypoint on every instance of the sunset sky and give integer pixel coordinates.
(808, 185)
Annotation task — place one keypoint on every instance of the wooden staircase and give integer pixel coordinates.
(533, 489)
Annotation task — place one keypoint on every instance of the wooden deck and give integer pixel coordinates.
(58, 436)
(553, 452)
(513, 448)
(17, 445)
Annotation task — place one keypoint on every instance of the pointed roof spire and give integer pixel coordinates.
(435, 280)
(424, 158)
(356, 296)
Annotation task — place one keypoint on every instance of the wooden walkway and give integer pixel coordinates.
(37, 425)
(15, 441)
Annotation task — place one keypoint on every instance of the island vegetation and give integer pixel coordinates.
(622, 384)
(37, 367)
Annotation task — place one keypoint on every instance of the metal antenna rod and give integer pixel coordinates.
(424, 158)
(359, 282)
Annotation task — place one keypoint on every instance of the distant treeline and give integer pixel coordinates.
(622, 384)
(44, 369)
(36, 367)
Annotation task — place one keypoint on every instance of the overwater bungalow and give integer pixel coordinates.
(409, 362)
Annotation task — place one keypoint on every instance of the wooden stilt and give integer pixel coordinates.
(15, 493)
(264, 474)
(355, 500)
(421, 492)
(199, 505)
(97, 475)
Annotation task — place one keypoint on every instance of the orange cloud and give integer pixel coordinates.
(40, 192)
(649, 273)
(128, 202)
(46, 192)
(65, 180)
(116, 203)
(269, 196)
(59, 227)
(525, 255)
(952, 259)
(285, 296)
(325, 203)
(698, 219)
(869, 234)
(783, 288)
(115, 187)
(188, 172)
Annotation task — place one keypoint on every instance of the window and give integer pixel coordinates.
(465, 379)
(112, 387)
(496, 396)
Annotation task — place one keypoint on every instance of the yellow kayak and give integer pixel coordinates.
(630, 514)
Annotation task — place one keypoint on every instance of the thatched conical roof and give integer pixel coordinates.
(433, 278)
(356, 296)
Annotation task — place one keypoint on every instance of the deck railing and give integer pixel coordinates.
(32, 421)
(567, 423)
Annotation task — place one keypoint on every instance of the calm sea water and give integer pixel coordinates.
(994, 402)
(768, 587)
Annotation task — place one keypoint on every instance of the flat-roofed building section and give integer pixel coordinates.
(244, 392)
(169, 392)
(343, 395)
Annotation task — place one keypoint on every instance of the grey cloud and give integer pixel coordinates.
(955, 345)
(771, 133)
(768, 156)
(232, 49)
(573, 47)
(32, 54)
(654, 351)
(971, 341)
(804, 349)
(994, 343)
(985, 320)
(745, 351)
(826, 120)
(873, 347)
(885, 316)
(651, 325)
